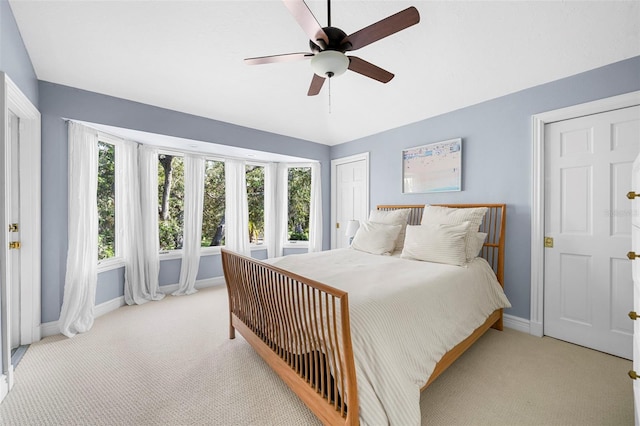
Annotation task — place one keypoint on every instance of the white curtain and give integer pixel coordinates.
(141, 266)
(237, 210)
(148, 172)
(76, 315)
(130, 236)
(270, 215)
(315, 210)
(192, 233)
(282, 208)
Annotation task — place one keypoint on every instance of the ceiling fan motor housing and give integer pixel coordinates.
(335, 36)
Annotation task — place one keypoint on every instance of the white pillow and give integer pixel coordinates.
(392, 217)
(376, 238)
(439, 243)
(453, 216)
(479, 242)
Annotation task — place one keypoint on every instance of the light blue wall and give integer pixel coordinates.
(58, 102)
(496, 157)
(14, 59)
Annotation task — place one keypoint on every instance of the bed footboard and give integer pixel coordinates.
(301, 329)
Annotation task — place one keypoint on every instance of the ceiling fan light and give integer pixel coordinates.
(329, 63)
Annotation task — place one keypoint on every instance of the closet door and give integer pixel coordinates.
(588, 289)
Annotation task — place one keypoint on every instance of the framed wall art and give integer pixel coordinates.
(436, 167)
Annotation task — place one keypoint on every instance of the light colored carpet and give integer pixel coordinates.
(171, 362)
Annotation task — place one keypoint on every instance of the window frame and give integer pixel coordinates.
(117, 261)
(176, 253)
(297, 244)
(209, 251)
(264, 244)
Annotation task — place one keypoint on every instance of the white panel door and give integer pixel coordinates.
(351, 197)
(588, 287)
(635, 244)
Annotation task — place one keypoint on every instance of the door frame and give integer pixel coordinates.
(11, 98)
(334, 186)
(536, 320)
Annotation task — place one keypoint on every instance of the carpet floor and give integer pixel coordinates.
(171, 362)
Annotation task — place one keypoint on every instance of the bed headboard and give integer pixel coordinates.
(493, 224)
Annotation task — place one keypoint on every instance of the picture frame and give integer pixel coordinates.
(434, 167)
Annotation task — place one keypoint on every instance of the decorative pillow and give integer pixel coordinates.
(453, 216)
(376, 238)
(392, 217)
(479, 242)
(438, 243)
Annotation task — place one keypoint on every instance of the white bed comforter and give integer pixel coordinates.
(405, 315)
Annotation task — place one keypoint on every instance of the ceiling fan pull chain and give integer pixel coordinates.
(329, 95)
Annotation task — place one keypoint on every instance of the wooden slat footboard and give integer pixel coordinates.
(301, 329)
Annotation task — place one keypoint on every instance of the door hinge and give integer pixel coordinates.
(633, 315)
(548, 242)
(631, 195)
(632, 255)
(633, 374)
(14, 245)
(337, 225)
(13, 227)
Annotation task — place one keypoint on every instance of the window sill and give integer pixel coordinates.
(296, 244)
(110, 264)
(170, 255)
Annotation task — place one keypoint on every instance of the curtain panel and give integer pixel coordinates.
(148, 172)
(270, 215)
(315, 210)
(192, 231)
(141, 272)
(77, 312)
(237, 209)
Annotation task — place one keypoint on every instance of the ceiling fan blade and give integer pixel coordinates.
(302, 14)
(287, 57)
(316, 85)
(369, 70)
(383, 28)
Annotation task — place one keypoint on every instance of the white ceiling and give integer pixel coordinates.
(187, 56)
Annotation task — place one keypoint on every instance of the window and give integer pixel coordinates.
(214, 204)
(255, 201)
(106, 201)
(299, 190)
(170, 201)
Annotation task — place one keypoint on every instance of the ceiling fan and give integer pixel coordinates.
(329, 44)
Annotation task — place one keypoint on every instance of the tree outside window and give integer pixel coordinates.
(170, 201)
(106, 201)
(255, 201)
(213, 215)
(299, 189)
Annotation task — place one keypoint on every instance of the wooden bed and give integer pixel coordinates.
(301, 327)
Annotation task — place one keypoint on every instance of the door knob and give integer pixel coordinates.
(14, 245)
(631, 195)
(631, 255)
(633, 374)
(633, 315)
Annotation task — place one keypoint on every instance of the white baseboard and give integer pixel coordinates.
(516, 323)
(52, 328)
(49, 329)
(106, 307)
(209, 282)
